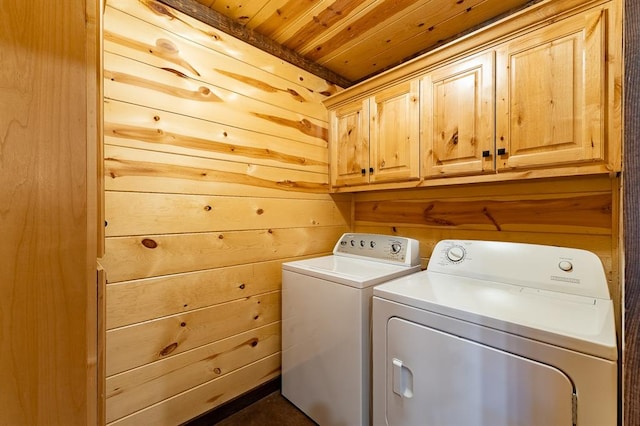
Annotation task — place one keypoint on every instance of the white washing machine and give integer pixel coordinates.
(496, 334)
(326, 324)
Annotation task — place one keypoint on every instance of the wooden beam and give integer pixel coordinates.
(227, 25)
(631, 191)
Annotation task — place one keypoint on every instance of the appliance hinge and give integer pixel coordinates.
(574, 409)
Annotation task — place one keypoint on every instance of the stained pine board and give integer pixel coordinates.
(137, 126)
(198, 32)
(131, 81)
(505, 190)
(130, 302)
(406, 44)
(135, 345)
(128, 258)
(141, 387)
(567, 213)
(195, 401)
(128, 169)
(139, 213)
(139, 40)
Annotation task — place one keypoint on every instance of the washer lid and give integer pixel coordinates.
(581, 323)
(349, 271)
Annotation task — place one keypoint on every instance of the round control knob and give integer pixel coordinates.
(353, 243)
(455, 254)
(565, 266)
(372, 244)
(361, 243)
(395, 248)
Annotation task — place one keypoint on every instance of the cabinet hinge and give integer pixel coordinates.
(574, 409)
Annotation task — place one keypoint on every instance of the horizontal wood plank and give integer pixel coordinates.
(130, 302)
(141, 387)
(152, 129)
(134, 213)
(139, 344)
(128, 258)
(191, 403)
(201, 33)
(128, 36)
(131, 81)
(128, 169)
(567, 214)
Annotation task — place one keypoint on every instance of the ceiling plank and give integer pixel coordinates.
(227, 25)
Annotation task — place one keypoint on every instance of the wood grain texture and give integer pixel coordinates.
(189, 404)
(139, 344)
(131, 302)
(631, 228)
(141, 387)
(134, 257)
(146, 213)
(215, 173)
(231, 27)
(48, 246)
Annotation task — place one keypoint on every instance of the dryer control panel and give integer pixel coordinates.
(385, 248)
(540, 267)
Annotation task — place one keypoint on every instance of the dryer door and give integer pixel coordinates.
(435, 378)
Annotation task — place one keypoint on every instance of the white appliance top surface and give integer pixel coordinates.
(354, 272)
(514, 295)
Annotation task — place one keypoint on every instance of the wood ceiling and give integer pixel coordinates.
(346, 41)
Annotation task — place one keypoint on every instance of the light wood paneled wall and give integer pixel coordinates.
(49, 62)
(216, 171)
(580, 212)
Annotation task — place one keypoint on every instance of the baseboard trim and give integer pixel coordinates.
(231, 407)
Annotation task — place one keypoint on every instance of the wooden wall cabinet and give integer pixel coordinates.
(539, 99)
(551, 101)
(458, 117)
(376, 139)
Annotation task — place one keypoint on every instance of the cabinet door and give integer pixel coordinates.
(349, 140)
(457, 118)
(550, 94)
(395, 133)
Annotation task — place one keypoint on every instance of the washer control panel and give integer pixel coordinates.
(560, 269)
(385, 248)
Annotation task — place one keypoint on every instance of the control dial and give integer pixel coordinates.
(395, 248)
(455, 254)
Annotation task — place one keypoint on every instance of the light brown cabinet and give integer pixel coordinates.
(550, 94)
(377, 139)
(541, 100)
(458, 117)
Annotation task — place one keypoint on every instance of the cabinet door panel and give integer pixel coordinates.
(550, 94)
(350, 134)
(395, 132)
(457, 117)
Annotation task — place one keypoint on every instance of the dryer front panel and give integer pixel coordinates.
(435, 378)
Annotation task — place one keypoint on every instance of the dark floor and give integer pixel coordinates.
(272, 410)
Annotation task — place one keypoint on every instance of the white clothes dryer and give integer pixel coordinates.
(326, 324)
(496, 334)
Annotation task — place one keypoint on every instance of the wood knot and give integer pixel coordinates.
(204, 90)
(259, 211)
(166, 351)
(253, 343)
(183, 324)
(241, 286)
(156, 118)
(149, 243)
(217, 370)
(207, 208)
(220, 237)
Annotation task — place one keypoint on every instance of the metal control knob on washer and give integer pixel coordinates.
(395, 248)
